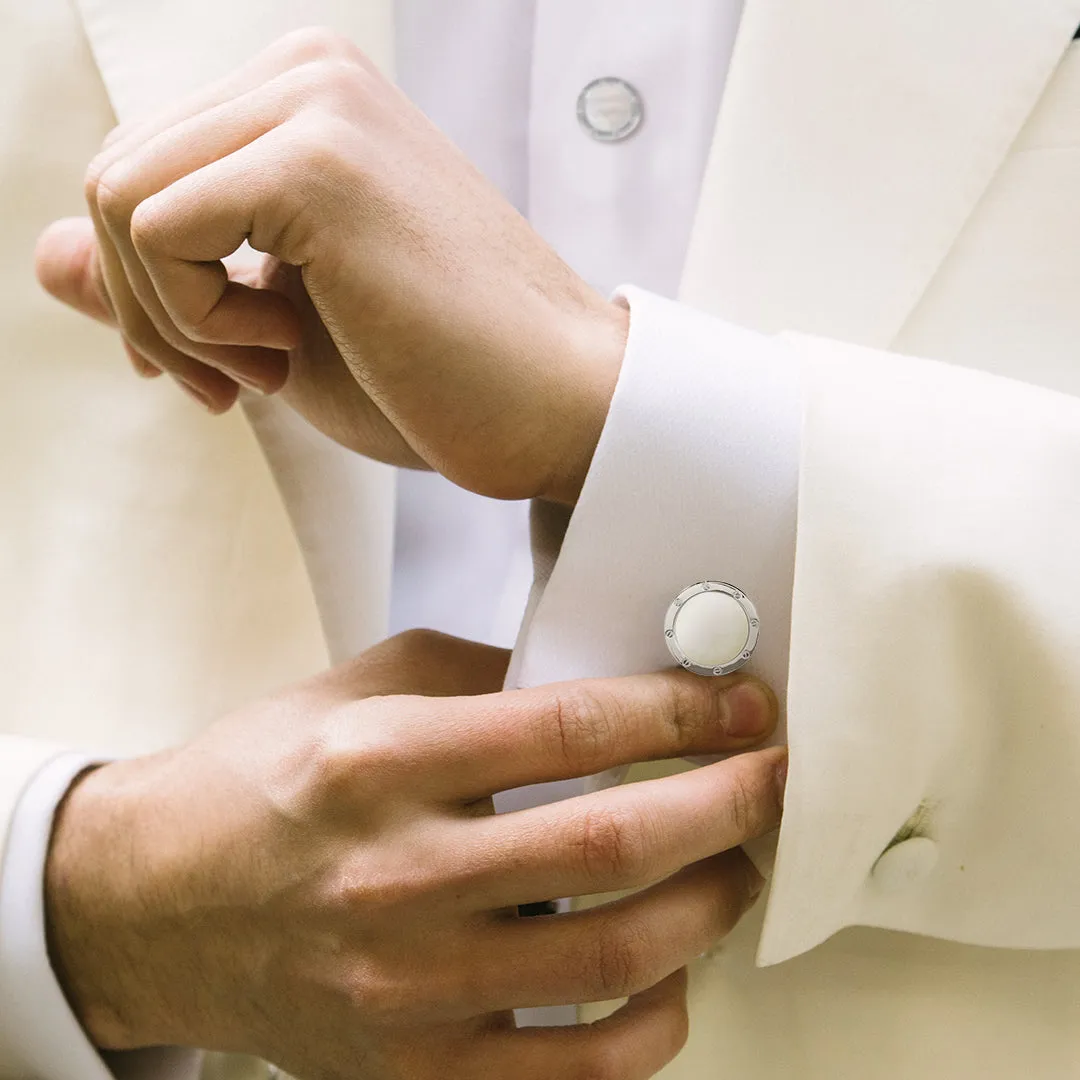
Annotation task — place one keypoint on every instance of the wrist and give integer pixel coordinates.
(90, 913)
(599, 343)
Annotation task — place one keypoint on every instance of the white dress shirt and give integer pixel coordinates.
(503, 80)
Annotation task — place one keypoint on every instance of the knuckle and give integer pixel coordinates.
(119, 132)
(582, 727)
(383, 892)
(366, 895)
(314, 43)
(320, 142)
(740, 804)
(611, 844)
(390, 994)
(749, 803)
(416, 644)
(623, 960)
(345, 757)
(146, 225)
(100, 164)
(92, 179)
(380, 997)
(342, 80)
(690, 709)
(115, 194)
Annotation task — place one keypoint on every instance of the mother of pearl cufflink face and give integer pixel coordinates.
(711, 628)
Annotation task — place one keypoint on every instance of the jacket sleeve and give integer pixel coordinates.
(931, 652)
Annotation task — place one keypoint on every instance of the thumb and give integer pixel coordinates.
(68, 267)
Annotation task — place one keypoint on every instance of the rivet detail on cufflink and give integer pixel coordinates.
(711, 628)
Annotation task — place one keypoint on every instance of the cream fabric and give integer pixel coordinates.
(904, 177)
(150, 576)
(888, 175)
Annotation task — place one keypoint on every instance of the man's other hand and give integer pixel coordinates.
(404, 306)
(319, 880)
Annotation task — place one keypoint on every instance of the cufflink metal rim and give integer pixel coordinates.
(752, 619)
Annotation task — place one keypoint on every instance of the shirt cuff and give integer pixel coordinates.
(695, 477)
(37, 1026)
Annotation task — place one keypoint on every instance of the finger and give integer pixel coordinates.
(142, 366)
(215, 391)
(616, 949)
(143, 319)
(493, 743)
(181, 234)
(67, 267)
(248, 334)
(173, 175)
(624, 837)
(265, 372)
(113, 193)
(304, 46)
(633, 1043)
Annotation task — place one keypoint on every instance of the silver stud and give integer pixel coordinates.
(610, 109)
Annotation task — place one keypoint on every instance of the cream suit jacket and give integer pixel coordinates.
(888, 181)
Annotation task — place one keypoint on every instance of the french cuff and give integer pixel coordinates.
(37, 1026)
(695, 478)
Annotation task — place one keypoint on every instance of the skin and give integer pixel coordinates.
(399, 302)
(318, 879)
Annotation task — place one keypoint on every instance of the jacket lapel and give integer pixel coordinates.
(150, 51)
(855, 138)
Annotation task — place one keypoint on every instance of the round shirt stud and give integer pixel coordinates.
(711, 628)
(609, 109)
(905, 864)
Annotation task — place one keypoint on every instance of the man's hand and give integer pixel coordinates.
(404, 305)
(318, 879)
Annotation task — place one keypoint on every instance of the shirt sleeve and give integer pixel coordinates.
(695, 477)
(40, 1036)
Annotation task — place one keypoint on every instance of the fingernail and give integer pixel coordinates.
(754, 883)
(781, 778)
(254, 382)
(746, 711)
(196, 394)
(142, 366)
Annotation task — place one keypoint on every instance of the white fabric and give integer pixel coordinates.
(461, 563)
(700, 452)
(31, 1001)
(150, 577)
(615, 212)
(894, 175)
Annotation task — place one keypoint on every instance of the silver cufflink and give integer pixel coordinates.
(711, 628)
